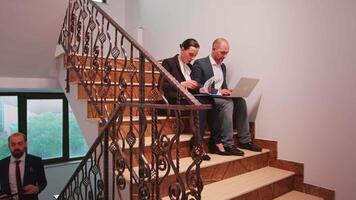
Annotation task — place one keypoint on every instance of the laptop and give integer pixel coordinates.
(242, 89)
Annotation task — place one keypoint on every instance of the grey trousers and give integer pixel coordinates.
(232, 111)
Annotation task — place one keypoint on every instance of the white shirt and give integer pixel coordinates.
(218, 73)
(184, 68)
(12, 172)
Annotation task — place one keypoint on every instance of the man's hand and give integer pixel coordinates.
(202, 90)
(225, 92)
(30, 189)
(190, 84)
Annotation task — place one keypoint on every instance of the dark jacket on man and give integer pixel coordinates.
(33, 174)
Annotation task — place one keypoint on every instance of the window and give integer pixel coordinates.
(45, 127)
(48, 121)
(8, 121)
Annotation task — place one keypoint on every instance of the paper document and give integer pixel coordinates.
(242, 89)
(208, 84)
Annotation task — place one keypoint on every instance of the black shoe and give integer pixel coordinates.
(206, 157)
(232, 150)
(214, 150)
(250, 146)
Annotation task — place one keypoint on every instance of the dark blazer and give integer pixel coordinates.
(173, 67)
(34, 174)
(203, 70)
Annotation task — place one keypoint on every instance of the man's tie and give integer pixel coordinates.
(18, 179)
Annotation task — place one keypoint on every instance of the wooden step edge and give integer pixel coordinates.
(148, 140)
(136, 118)
(215, 160)
(244, 183)
(119, 59)
(296, 195)
(111, 100)
(126, 70)
(115, 83)
(184, 137)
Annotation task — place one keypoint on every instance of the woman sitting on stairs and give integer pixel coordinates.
(180, 67)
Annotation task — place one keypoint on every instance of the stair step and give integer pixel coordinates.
(113, 90)
(296, 195)
(114, 75)
(168, 125)
(148, 140)
(215, 160)
(218, 168)
(119, 62)
(110, 105)
(244, 183)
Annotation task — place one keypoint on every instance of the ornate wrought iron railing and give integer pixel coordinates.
(120, 80)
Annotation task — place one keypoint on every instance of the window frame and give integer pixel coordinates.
(22, 98)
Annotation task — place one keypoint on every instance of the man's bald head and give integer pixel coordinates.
(219, 50)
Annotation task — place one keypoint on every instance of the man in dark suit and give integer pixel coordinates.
(22, 175)
(179, 66)
(213, 66)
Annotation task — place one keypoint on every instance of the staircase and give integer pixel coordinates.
(142, 147)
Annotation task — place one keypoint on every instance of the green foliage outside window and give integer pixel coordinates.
(2, 126)
(44, 132)
(3, 148)
(43, 142)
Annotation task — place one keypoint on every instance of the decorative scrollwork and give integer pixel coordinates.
(145, 173)
(95, 170)
(156, 147)
(102, 37)
(144, 193)
(114, 148)
(120, 165)
(121, 182)
(86, 181)
(84, 15)
(163, 164)
(115, 52)
(175, 191)
(77, 191)
(123, 84)
(100, 184)
(131, 138)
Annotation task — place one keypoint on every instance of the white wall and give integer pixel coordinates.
(116, 9)
(89, 127)
(303, 51)
(11, 84)
(57, 176)
(28, 37)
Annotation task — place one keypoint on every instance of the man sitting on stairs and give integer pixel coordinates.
(179, 66)
(229, 110)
